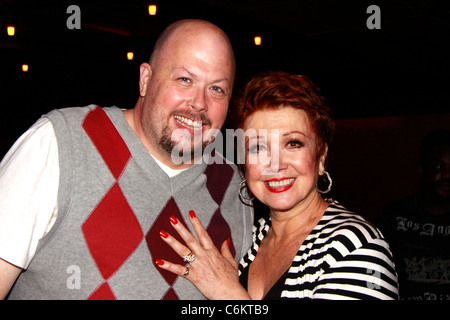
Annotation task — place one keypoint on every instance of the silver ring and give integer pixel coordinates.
(189, 258)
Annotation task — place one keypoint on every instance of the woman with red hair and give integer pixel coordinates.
(306, 247)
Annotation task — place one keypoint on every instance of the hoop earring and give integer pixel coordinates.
(330, 183)
(245, 198)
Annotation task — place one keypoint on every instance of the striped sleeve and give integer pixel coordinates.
(365, 273)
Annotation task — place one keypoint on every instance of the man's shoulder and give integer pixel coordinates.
(405, 205)
(63, 114)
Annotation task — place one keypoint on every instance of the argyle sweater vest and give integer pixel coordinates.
(113, 200)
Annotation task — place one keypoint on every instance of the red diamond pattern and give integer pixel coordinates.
(170, 295)
(218, 178)
(219, 231)
(104, 292)
(112, 231)
(107, 140)
(158, 248)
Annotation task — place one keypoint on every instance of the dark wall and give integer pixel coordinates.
(375, 161)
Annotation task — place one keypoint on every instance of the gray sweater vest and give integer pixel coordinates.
(113, 200)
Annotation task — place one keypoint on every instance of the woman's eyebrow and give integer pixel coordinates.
(294, 131)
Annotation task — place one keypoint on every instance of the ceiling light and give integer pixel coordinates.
(130, 55)
(25, 68)
(11, 30)
(257, 40)
(152, 9)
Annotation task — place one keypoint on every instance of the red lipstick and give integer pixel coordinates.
(279, 184)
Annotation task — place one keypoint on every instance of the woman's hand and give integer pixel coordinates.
(214, 273)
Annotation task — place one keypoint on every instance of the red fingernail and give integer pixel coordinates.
(163, 234)
(192, 214)
(159, 262)
(174, 220)
(228, 242)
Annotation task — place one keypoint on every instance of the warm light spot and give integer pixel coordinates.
(257, 40)
(152, 9)
(24, 67)
(11, 30)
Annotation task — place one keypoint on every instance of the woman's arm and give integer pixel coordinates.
(367, 272)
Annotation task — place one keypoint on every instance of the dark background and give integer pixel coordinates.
(387, 87)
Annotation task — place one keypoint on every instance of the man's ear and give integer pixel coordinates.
(145, 75)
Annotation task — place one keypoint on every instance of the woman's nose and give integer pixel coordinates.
(277, 162)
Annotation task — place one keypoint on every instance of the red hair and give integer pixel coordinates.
(278, 89)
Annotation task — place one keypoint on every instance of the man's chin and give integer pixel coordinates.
(443, 196)
(186, 153)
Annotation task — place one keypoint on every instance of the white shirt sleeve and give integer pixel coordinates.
(29, 179)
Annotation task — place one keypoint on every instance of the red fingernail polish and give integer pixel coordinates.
(174, 220)
(163, 234)
(192, 214)
(159, 262)
(228, 242)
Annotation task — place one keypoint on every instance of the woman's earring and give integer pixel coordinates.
(245, 196)
(330, 183)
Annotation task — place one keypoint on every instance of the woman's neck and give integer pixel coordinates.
(299, 220)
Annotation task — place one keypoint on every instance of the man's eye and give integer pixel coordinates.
(217, 89)
(184, 79)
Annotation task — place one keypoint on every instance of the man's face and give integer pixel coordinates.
(436, 172)
(187, 93)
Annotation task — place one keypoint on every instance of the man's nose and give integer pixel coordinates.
(445, 173)
(198, 101)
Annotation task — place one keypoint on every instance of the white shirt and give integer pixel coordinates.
(29, 180)
(28, 193)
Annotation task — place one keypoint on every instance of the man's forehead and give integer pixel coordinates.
(191, 43)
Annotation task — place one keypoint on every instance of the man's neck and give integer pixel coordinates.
(432, 205)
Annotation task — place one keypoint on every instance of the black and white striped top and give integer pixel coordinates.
(344, 257)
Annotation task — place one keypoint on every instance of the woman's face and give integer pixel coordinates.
(282, 162)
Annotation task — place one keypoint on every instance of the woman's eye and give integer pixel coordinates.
(256, 148)
(292, 144)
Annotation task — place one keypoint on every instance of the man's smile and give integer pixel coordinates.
(189, 123)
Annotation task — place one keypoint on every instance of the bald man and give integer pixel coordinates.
(84, 218)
